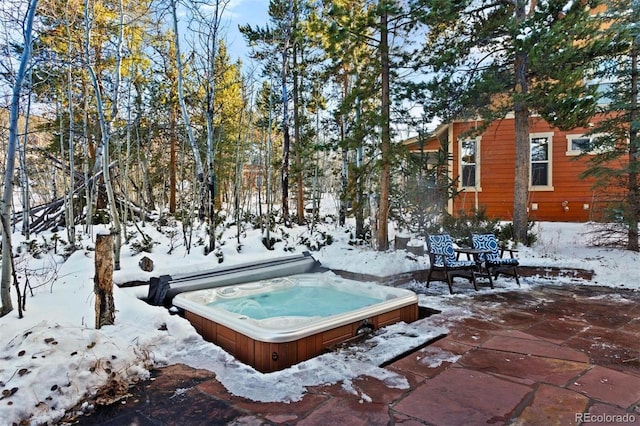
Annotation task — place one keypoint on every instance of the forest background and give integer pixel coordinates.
(146, 111)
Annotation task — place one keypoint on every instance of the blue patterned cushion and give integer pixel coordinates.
(441, 246)
(486, 242)
(505, 261)
(490, 243)
(456, 264)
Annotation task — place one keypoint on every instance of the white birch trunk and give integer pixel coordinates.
(7, 197)
(88, 187)
(62, 155)
(24, 176)
(210, 84)
(183, 105)
(71, 225)
(106, 126)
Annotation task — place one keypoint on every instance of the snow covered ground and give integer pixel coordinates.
(53, 359)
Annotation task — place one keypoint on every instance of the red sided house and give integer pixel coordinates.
(484, 168)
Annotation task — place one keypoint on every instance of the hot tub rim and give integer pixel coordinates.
(255, 330)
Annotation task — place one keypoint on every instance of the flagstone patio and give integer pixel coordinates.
(554, 355)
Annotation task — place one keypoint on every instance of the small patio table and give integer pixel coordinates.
(474, 254)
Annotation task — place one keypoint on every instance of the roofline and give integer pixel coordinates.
(439, 130)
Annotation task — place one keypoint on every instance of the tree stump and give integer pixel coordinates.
(401, 242)
(103, 281)
(417, 250)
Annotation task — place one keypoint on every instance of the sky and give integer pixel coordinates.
(54, 359)
(237, 12)
(243, 12)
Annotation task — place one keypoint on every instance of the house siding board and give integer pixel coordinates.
(496, 179)
(571, 199)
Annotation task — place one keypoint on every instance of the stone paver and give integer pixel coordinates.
(607, 415)
(552, 405)
(556, 331)
(535, 368)
(545, 356)
(428, 362)
(610, 386)
(532, 346)
(278, 412)
(469, 336)
(463, 396)
(348, 412)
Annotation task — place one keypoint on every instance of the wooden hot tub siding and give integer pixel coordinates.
(261, 355)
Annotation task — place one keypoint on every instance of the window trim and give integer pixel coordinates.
(592, 151)
(575, 152)
(477, 187)
(549, 186)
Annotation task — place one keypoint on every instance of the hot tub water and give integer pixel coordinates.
(299, 301)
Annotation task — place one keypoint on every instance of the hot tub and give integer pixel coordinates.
(273, 324)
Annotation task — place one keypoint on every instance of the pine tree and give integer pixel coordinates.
(365, 42)
(345, 31)
(490, 59)
(615, 145)
(276, 41)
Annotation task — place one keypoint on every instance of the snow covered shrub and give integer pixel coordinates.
(504, 233)
(143, 245)
(37, 249)
(101, 217)
(366, 236)
(315, 241)
(464, 223)
(269, 244)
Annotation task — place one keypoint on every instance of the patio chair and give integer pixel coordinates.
(493, 260)
(445, 264)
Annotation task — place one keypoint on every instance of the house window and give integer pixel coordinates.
(540, 178)
(604, 77)
(469, 176)
(579, 144)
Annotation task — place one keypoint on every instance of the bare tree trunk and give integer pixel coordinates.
(360, 197)
(374, 218)
(344, 171)
(173, 168)
(344, 180)
(296, 124)
(183, 106)
(106, 165)
(24, 176)
(238, 183)
(147, 189)
(385, 142)
(316, 165)
(88, 186)
(126, 160)
(284, 171)
(103, 281)
(522, 145)
(268, 190)
(211, 96)
(60, 116)
(106, 125)
(634, 154)
(70, 219)
(7, 196)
